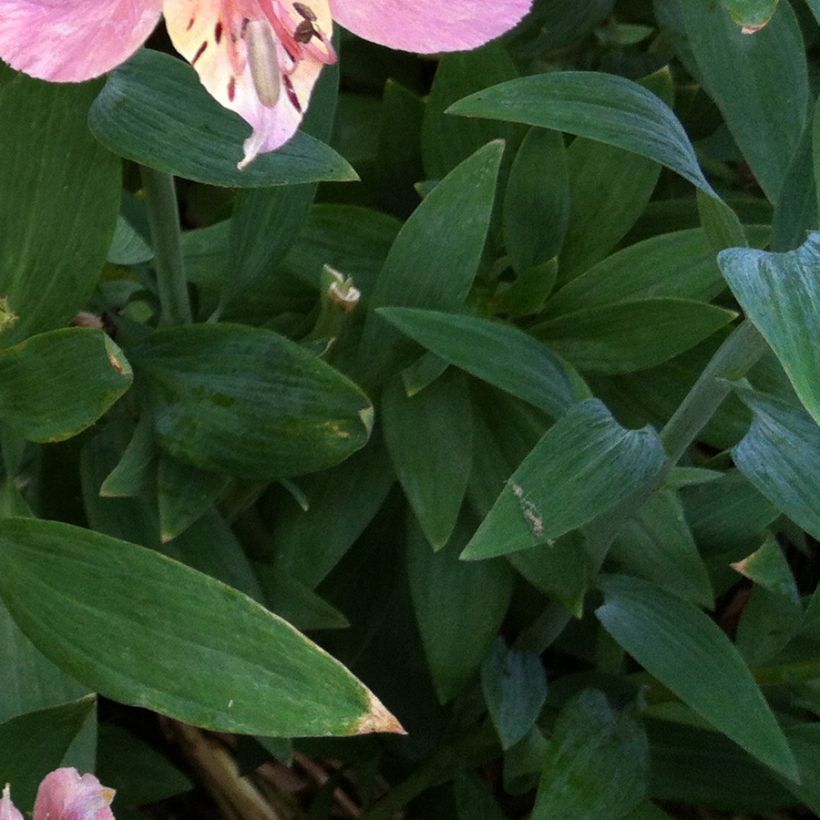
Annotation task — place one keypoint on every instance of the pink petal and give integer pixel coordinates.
(73, 40)
(242, 61)
(7, 810)
(65, 795)
(427, 26)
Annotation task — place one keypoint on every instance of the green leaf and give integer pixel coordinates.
(474, 800)
(148, 631)
(499, 354)
(537, 201)
(679, 265)
(431, 265)
(54, 385)
(689, 654)
(584, 465)
(184, 495)
(780, 455)
(515, 689)
(633, 335)
(136, 467)
(759, 82)
(35, 743)
(459, 607)
(658, 545)
(128, 247)
(448, 141)
(597, 763)
(602, 107)
(752, 15)
(153, 110)
(430, 441)
(61, 194)
(780, 293)
(342, 501)
(248, 402)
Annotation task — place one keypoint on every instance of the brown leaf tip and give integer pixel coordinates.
(379, 719)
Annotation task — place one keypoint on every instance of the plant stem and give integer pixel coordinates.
(735, 357)
(163, 221)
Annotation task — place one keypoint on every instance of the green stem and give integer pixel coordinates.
(735, 357)
(163, 221)
(479, 744)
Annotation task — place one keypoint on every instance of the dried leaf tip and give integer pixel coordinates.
(379, 719)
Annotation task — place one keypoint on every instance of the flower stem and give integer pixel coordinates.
(163, 221)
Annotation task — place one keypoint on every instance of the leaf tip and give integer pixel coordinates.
(378, 719)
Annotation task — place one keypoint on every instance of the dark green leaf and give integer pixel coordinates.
(689, 654)
(780, 293)
(585, 464)
(248, 402)
(56, 384)
(184, 494)
(151, 632)
(61, 193)
(597, 762)
(602, 107)
(153, 110)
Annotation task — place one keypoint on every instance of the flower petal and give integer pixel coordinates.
(73, 40)
(65, 795)
(7, 809)
(427, 26)
(241, 60)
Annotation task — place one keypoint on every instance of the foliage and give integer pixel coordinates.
(521, 427)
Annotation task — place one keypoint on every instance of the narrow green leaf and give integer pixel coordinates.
(515, 689)
(135, 468)
(602, 107)
(153, 110)
(431, 265)
(128, 247)
(151, 632)
(184, 494)
(459, 607)
(780, 293)
(780, 455)
(597, 762)
(634, 335)
(689, 654)
(658, 545)
(249, 402)
(584, 465)
(537, 201)
(430, 441)
(759, 82)
(61, 194)
(679, 265)
(35, 743)
(499, 354)
(54, 385)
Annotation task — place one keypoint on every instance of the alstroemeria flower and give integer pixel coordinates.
(64, 794)
(260, 58)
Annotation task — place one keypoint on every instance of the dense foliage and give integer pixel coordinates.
(501, 381)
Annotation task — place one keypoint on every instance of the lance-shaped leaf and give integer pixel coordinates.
(768, 568)
(602, 107)
(584, 465)
(145, 630)
(689, 654)
(61, 193)
(597, 763)
(33, 744)
(780, 455)
(780, 293)
(249, 402)
(154, 110)
(499, 354)
(54, 385)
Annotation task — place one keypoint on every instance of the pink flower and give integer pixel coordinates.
(260, 58)
(64, 794)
